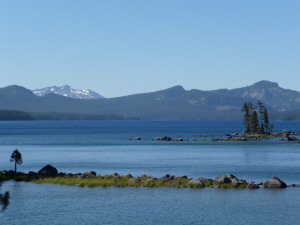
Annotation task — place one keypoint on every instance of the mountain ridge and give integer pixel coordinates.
(68, 91)
(173, 103)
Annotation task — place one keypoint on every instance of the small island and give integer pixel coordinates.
(50, 174)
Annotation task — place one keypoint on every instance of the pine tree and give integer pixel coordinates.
(266, 120)
(16, 158)
(261, 114)
(246, 119)
(253, 123)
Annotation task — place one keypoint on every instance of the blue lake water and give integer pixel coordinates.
(103, 146)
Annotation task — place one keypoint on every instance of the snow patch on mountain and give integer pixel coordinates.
(68, 91)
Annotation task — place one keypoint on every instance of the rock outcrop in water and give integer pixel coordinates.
(49, 174)
(48, 170)
(274, 182)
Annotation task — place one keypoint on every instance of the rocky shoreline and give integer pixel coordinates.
(283, 136)
(49, 174)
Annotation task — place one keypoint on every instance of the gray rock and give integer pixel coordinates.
(115, 175)
(127, 175)
(48, 170)
(222, 179)
(180, 176)
(294, 185)
(274, 182)
(230, 176)
(203, 179)
(31, 173)
(252, 185)
(165, 138)
(137, 138)
(196, 182)
(243, 181)
(165, 176)
(171, 177)
(88, 173)
(235, 182)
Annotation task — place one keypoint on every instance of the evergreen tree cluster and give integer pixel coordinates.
(256, 119)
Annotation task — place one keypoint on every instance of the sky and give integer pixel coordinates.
(118, 47)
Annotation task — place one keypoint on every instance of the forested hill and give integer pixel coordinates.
(174, 103)
(21, 115)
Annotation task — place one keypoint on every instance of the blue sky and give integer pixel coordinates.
(124, 47)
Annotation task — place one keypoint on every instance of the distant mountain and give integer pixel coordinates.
(68, 91)
(174, 103)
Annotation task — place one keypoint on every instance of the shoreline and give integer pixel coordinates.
(49, 174)
(284, 136)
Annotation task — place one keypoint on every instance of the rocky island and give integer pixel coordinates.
(50, 174)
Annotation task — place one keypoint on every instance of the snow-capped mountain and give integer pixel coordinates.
(68, 91)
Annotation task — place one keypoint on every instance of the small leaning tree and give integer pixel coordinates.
(16, 157)
(4, 200)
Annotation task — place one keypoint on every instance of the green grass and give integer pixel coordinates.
(109, 180)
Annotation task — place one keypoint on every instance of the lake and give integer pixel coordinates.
(103, 146)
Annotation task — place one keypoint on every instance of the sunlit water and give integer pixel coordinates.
(103, 146)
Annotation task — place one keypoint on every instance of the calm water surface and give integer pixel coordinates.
(103, 146)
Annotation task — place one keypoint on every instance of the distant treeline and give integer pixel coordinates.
(15, 115)
(20, 115)
(287, 115)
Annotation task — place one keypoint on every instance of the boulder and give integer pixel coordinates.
(294, 185)
(196, 182)
(222, 179)
(164, 138)
(127, 175)
(115, 175)
(165, 176)
(171, 177)
(48, 170)
(274, 182)
(230, 176)
(252, 185)
(180, 176)
(235, 182)
(90, 173)
(32, 173)
(87, 174)
(203, 179)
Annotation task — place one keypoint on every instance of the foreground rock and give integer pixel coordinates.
(196, 183)
(252, 185)
(274, 182)
(222, 179)
(48, 171)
